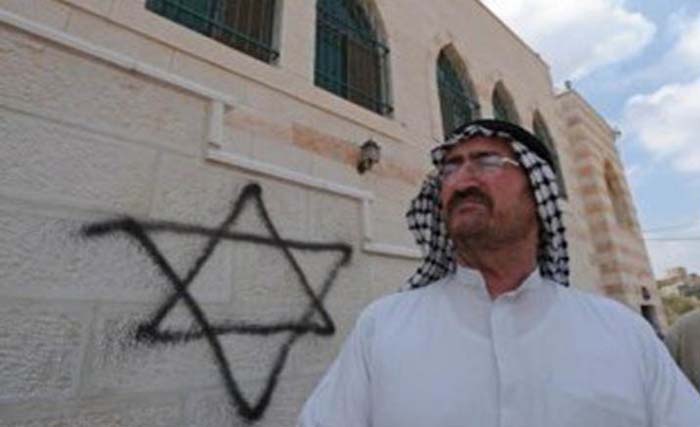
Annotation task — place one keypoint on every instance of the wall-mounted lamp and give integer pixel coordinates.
(370, 153)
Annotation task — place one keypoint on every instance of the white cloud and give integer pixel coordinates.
(681, 59)
(667, 124)
(635, 174)
(576, 37)
(687, 47)
(632, 171)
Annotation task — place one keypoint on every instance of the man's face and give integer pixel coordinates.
(489, 209)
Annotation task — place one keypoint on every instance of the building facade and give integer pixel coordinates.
(678, 282)
(185, 237)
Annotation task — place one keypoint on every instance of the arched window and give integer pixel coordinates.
(457, 101)
(351, 60)
(503, 105)
(621, 209)
(246, 25)
(539, 127)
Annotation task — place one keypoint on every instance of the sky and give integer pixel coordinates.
(637, 62)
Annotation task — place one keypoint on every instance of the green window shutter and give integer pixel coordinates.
(500, 111)
(194, 14)
(363, 75)
(350, 61)
(503, 106)
(456, 101)
(246, 25)
(331, 69)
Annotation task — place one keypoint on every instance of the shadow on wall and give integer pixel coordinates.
(152, 332)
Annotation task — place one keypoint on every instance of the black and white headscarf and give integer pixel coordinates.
(425, 212)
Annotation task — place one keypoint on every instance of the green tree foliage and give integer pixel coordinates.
(676, 305)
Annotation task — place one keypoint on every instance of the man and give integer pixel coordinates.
(489, 334)
(683, 341)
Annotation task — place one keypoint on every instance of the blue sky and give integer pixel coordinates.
(638, 63)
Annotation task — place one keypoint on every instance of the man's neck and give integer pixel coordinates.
(503, 268)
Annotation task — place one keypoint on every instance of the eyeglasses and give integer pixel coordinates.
(482, 164)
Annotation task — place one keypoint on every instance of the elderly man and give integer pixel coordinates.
(489, 333)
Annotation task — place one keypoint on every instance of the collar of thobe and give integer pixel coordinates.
(474, 279)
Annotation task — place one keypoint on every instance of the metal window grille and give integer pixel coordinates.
(350, 61)
(503, 106)
(540, 129)
(245, 25)
(456, 101)
(501, 110)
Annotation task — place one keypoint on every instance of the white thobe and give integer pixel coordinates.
(539, 356)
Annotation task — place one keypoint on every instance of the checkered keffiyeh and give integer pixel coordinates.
(428, 227)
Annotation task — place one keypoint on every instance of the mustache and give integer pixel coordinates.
(471, 194)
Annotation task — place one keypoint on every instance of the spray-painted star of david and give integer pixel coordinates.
(151, 330)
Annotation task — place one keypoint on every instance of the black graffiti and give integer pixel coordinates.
(151, 331)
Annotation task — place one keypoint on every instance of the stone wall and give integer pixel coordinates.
(619, 254)
(184, 238)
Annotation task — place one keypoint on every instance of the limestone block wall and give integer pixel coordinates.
(184, 237)
(619, 252)
(144, 285)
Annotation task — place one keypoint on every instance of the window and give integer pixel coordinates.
(539, 127)
(503, 105)
(457, 101)
(245, 25)
(351, 61)
(621, 209)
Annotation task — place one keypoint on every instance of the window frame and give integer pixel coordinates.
(503, 105)
(454, 83)
(213, 24)
(345, 30)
